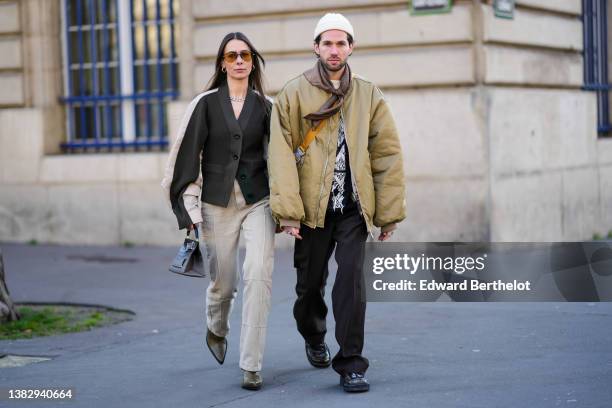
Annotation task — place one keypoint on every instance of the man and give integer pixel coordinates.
(346, 180)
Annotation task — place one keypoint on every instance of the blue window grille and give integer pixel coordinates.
(595, 37)
(121, 71)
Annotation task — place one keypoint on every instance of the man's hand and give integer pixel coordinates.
(293, 231)
(385, 235)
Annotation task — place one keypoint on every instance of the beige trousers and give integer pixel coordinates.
(221, 228)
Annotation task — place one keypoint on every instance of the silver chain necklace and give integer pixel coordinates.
(237, 98)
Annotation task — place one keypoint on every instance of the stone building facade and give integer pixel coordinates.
(500, 139)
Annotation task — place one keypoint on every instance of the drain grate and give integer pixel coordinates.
(101, 259)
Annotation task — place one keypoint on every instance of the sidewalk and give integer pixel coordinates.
(421, 354)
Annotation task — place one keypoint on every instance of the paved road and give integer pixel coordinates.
(422, 354)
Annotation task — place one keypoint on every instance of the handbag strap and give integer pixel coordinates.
(310, 136)
(197, 233)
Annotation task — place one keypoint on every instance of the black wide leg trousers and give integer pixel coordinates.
(347, 233)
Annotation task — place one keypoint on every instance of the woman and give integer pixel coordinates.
(220, 155)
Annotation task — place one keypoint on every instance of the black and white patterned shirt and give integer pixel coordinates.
(340, 197)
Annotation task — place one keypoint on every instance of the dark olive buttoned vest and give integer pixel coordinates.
(231, 149)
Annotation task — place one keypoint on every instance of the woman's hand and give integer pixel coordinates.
(293, 231)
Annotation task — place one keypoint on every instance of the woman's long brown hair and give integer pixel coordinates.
(256, 75)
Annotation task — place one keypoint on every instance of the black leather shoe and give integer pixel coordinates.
(354, 382)
(217, 346)
(318, 355)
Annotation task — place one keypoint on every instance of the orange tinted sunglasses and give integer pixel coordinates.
(232, 56)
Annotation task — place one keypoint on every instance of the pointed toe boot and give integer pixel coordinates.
(217, 346)
(251, 380)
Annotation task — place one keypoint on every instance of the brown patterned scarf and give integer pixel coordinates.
(319, 77)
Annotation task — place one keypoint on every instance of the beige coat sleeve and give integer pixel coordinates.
(387, 164)
(285, 200)
(183, 187)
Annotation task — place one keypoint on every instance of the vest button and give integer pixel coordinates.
(235, 157)
(242, 177)
(236, 136)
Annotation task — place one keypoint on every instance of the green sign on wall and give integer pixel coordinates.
(504, 8)
(421, 7)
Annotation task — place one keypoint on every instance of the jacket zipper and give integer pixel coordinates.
(353, 182)
(323, 176)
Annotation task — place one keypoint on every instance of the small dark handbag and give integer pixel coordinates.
(190, 261)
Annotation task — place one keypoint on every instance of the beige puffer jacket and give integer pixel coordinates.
(299, 193)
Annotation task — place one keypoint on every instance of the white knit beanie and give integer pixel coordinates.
(333, 21)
